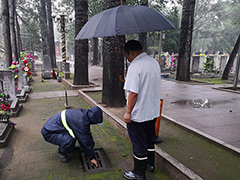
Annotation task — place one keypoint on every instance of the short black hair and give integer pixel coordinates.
(132, 45)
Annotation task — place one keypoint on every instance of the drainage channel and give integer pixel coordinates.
(99, 158)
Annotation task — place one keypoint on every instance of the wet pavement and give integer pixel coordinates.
(219, 120)
(28, 157)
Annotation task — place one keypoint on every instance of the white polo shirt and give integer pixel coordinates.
(144, 78)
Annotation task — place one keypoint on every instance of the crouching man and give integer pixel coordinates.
(64, 128)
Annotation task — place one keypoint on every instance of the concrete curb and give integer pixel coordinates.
(163, 160)
(212, 139)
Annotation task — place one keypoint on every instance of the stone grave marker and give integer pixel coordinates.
(24, 78)
(46, 73)
(162, 62)
(21, 92)
(223, 63)
(195, 64)
(7, 77)
(66, 71)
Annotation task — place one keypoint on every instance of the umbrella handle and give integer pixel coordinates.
(157, 124)
(121, 79)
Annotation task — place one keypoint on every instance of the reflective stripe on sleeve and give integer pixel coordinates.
(63, 117)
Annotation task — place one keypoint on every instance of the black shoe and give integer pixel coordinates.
(158, 139)
(132, 175)
(150, 168)
(63, 158)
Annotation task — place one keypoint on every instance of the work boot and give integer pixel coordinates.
(151, 159)
(138, 172)
(63, 157)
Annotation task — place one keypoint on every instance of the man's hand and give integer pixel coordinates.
(94, 162)
(127, 117)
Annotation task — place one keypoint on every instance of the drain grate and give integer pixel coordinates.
(99, 158)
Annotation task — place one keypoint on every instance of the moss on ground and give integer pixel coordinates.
(204, 158)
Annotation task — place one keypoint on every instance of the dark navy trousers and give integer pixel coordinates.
(142, 135)
(65, 142)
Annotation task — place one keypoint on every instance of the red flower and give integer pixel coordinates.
(23, 68)
(25, 61)
(29, 73)
(4, 107)
(30, 69)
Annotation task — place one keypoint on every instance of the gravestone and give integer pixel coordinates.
(201, 60)
(195, 64)
(66, 71)
(34, 72)
(46, 73)
(223, 62)
(2, 65)
(21, 92)
(7, 77)
(23, 78)
(162, 62)
(59, 66)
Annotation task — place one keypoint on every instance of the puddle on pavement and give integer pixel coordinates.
(197, 103)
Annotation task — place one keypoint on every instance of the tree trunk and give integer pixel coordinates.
(183, 67)
(95, 51)
(6, 33)
(113, 66)
(51, 34)
(18, 36)
(13, 31)
(143, 36)
(231, 59)
(81, 46)
(43, 27)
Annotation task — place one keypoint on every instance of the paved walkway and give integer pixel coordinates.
(220, 122)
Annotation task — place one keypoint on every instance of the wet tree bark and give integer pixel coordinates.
(18, 36)
(81, 46)
(51, 34)
(113, 66)
(183, 67)
(95, 51)
(231, 59)
(13, 30)
(143, 36)
(6, 33)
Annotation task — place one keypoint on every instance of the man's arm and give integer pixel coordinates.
(132, 99)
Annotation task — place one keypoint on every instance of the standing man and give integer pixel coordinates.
(64, 128)
(142, 86)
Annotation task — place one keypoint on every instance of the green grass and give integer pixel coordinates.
(212, 80)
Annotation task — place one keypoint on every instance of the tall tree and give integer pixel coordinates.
(113, 66)
(81, 46)
(6, 33)
(95, 51)
(183, 67)
(18, 36)
(43, 26)
(51, 34)
(231, 59)
(12, 8)
(143, 36)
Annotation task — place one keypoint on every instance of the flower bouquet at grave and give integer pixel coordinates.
(30, 56)
(15, 71)
(208, 65)
(4, 107)
(27, 68)
(173, 64)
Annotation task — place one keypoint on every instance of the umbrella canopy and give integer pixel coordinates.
(124, 20)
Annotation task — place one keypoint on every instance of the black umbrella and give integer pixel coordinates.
(124, 20)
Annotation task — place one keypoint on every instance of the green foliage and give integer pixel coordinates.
(208, 65)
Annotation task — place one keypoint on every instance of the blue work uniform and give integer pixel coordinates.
(78, 120)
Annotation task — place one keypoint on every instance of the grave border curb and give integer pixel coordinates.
(164, 161)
